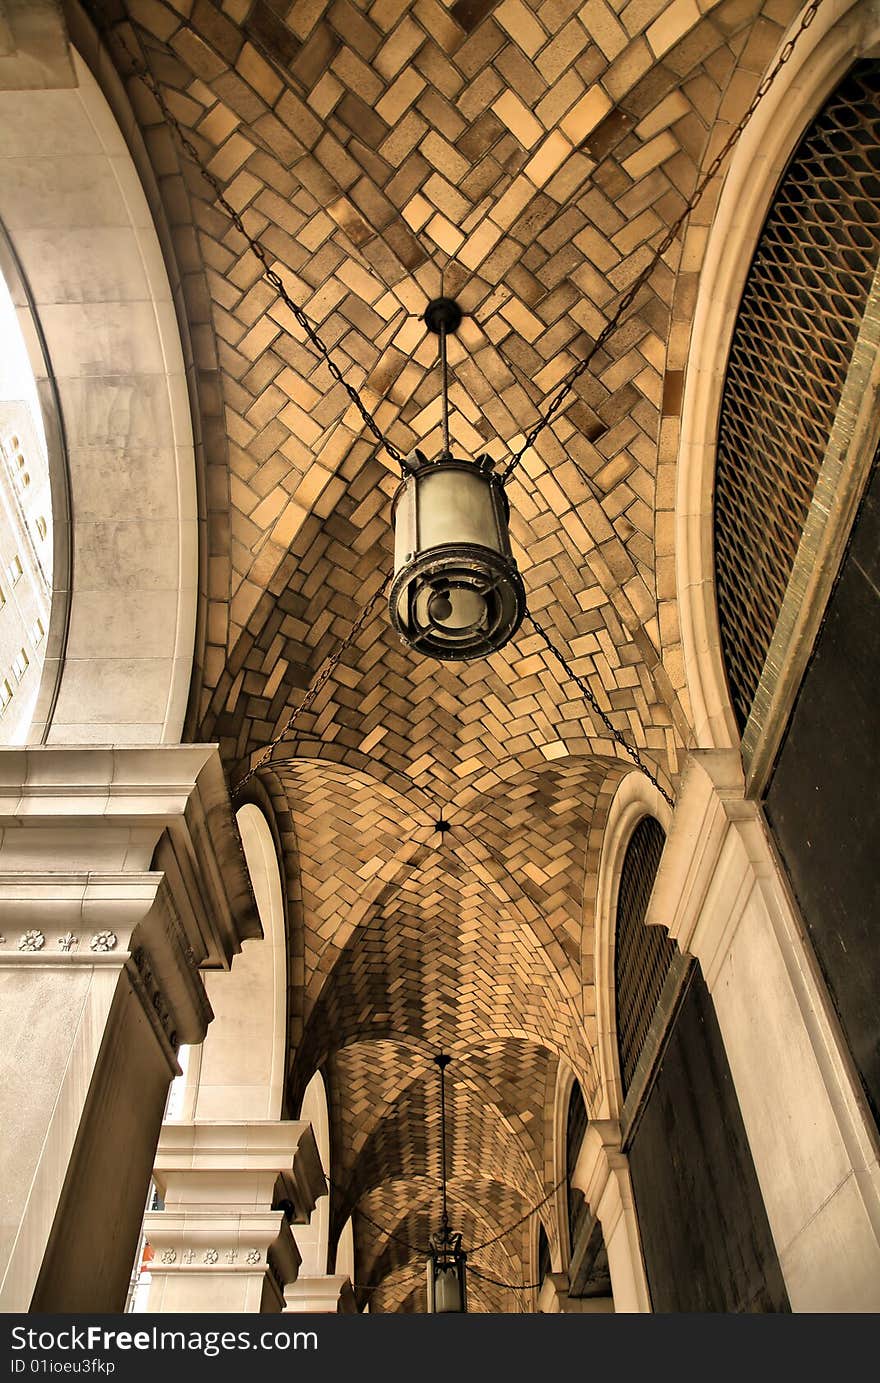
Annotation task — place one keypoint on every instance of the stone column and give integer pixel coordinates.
(120, 876)
(326, 1296)
(722, 895)
(602, 1174)
(231, 1190)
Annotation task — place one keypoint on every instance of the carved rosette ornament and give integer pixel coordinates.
(31, 941)
(103, 941)
(211, 1257)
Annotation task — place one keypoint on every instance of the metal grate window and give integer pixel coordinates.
(798, 321)
(643, 954)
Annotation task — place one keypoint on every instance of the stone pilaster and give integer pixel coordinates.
(119, 877)
(721, 894)
(602, 1174)
(230, 1190)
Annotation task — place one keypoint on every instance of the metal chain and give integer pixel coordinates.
(589, 696)
(416, 1248)
(322, 678)
(636, 286)
(527, 1216)
(509, 1286)
(144, 75)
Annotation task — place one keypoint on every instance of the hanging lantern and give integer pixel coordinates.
(456, 593)
(447, 1279)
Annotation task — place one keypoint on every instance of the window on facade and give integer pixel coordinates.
(20, 664)
(37, 632)
(5, 694)
(41, 526)
(643, 954)
(14, 570)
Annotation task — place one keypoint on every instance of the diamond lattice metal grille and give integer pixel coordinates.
(798, 321)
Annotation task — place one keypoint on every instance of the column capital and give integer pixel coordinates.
(245, 1257)
(209, 1161)
(599, 1157)
(331, 1296)
(554, 1290)
(602, 1174)
(231, 1190)
(86, 816)
(716, 846)
(121, 876)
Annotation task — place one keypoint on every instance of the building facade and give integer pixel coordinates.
(620, 870)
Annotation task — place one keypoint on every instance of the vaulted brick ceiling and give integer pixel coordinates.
(521, 157)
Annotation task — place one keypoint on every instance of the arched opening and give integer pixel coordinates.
(642, 956)
(795, 538)
(705, 1238)
(26, 550)
(82, 241)
(575, 1128)
(818, 63)
(588, 1274)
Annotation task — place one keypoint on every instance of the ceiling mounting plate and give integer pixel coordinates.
(442, 313)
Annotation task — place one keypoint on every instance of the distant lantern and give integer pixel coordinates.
(447, 1261)
(457, 592)
(447, 1274)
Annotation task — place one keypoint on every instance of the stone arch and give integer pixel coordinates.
(89, 256)
(345, 1250)
(635, 797)
(33, 718)
(313, 1239)
(822, 55)
(238, 1072)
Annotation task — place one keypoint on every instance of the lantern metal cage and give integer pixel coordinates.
(457, 593)
(447, 1273)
